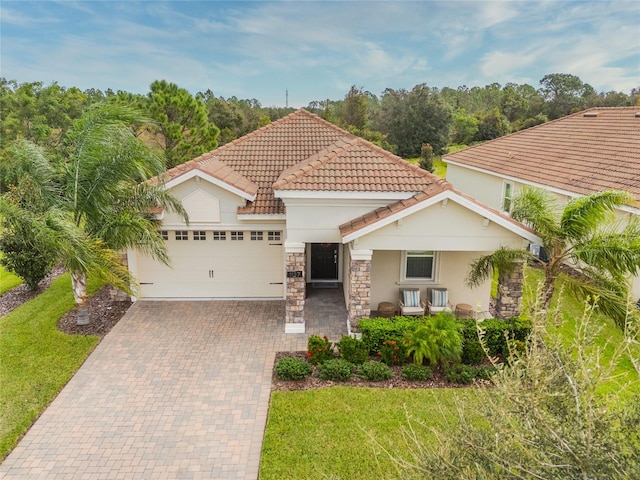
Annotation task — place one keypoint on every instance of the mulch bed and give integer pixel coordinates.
(313, 382)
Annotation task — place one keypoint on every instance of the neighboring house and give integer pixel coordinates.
(587, 152)
(301, 202)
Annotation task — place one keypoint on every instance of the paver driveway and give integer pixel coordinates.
(177, 390)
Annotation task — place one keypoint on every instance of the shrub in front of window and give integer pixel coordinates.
(290, 368)
(436, 340)
(375, 371)
(336, 369)
(352, 350)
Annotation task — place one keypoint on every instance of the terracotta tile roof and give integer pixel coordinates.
(353, 164)
(304, 152)
(583, 153)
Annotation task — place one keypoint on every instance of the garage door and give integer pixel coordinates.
(206, 264)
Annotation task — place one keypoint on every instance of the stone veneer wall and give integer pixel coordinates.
(509, 299)
(359, 291)
(296, 288)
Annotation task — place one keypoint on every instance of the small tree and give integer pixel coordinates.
(426, 157)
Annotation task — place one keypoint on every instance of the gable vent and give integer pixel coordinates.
(591, 114)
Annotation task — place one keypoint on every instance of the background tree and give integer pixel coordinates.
(183, 128)
(582, 233)
(354, 108)
(413, 118)
(564, 94)
(491, 125)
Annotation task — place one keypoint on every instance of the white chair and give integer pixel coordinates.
(438, 300)
(410, 302)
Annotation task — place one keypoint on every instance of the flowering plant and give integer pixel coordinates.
(393, 351)
(319, 349)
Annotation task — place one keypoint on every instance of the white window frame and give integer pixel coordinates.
(182, 235)
(237, 235)
(199, 235)
(257, 235)
(414, 253)
(219, 236)
(165, 234)
(274, 236)
(507, 196)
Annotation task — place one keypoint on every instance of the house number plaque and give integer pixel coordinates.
(296, 274)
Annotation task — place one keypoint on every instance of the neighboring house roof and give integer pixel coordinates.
(587, 152)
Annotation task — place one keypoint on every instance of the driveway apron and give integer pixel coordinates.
(177, 390)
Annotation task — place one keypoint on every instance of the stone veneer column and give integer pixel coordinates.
(295, 287)
(509, 299)
(359, 286)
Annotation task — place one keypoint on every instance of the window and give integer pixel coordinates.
(237, 235)
(219, 236)
(182, 235)
(256, 236)
(419, 264)
(273, 236)
(507, 194)
(199, 235)
(165, 234)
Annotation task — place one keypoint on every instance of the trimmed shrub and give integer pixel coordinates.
(290, 368)
(460, 373)
(353, 350)
(417, 373)
(377, 330)
(393, 351)
(496, 332)
(472, 352)
(336, 369)
(319, 349)
(375, 371)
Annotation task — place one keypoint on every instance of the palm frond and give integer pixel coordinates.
(582, 215)
(504, 260)
(538, 209)
(615, 252)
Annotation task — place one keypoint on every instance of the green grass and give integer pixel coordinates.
(36, 359)
(8, 280)
(342, 432)
(325, 433)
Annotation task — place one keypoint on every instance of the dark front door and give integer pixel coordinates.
(324, 261)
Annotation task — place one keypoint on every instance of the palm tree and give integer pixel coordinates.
(103, 202)
(582, 234)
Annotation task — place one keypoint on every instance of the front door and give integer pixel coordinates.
(324, 261)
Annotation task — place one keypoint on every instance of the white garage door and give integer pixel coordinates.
(206, 264)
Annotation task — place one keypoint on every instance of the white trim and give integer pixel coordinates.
(195, 173)
(294, 247)
(343, 195)
(294, 328)
(447, 194)
(503, 198)
(360, 254)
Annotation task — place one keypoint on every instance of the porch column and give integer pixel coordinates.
(509, 299)
(295, 284)
(359, 286)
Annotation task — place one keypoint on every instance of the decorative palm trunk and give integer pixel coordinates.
(79, 285)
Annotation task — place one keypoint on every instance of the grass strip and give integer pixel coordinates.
(36, 359)
(343, 432)
(8, 280)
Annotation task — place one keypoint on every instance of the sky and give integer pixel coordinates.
(316, 50)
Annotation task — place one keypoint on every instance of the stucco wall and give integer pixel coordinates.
(481, 186)
(452, 269)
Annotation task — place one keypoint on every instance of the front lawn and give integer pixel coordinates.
(340, 432)
(36, 359)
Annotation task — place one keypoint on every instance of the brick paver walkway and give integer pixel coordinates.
(177, 390)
